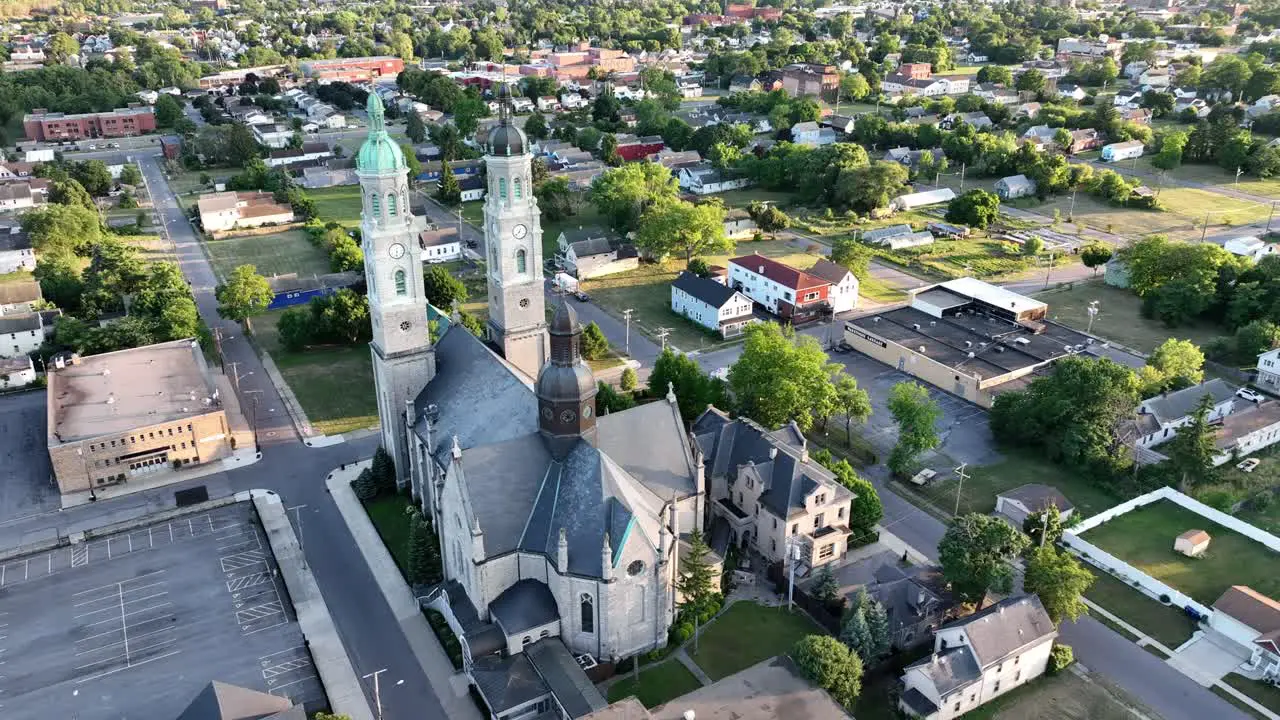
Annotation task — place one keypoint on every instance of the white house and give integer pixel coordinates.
(1127, 150)
(1015, 186)
(712, 305)
(1252, 620)
(811, 135)
(548, 103)
(1249, 246)
(1269, 370)
(273, 136)
(16, 372)
(440, 245)
(18, 297)
(738, 223)
(843, 293)
(1127, 98)
(1067, 91)
(1247, 431)
(573, 101)
(16, 252)
(789, 293)
(1032, 499)
(597, 257)
(20, 334)
(1160, 417)
(309, 152)
(1155, 78)
(979, 658)
(522, 105)
(703, 179)
(230, 210)
(16, 196)
(472, 188)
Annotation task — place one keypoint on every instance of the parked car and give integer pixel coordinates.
(581, 296)
(1250, 395)
(1249, 465)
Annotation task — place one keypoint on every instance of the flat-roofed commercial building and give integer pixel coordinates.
(968, 337)
(134, 413)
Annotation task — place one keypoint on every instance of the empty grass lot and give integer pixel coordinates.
(1066, 696)
(389, 516)
(334, 385)
(1119, 316)
(338, 204)
(1165, 623)
(1181, 217)
(1144, 538)
(658, 684)
(275, 254)
(977, 257)
(746, 634)
(1215, 176)
(986, 481)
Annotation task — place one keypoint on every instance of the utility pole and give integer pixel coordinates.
(1071, 211)
(253, 395)
(626, 315)
(298, 515)
(1239, 172)
(377, 694)
(1204, 230)
(962, 475)
(962, 166)
(1093, 313)
(1048, 269)
(662, 334)
(1271, 215)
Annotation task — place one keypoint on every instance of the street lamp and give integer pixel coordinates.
(1093, 313)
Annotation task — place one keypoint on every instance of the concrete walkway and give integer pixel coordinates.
(449, 685)
(683, 658)
(238, 459)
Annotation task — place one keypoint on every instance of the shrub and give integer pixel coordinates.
(1261, 500)
(365, 486)
(630, 379)
(831, 665)
(680, 633)
(1059, 659)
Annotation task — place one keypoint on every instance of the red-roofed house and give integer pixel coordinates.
(789, 293)
(1252, 620)
(640, 148)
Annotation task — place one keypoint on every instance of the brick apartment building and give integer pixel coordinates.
(42, 125)
(810, 79)
(791, 294)
(361, 69)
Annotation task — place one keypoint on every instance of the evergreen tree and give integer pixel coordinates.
(877, 630)
(1191, 451)
(854, 631)
(424, 554)
(594, 344)
(696, 574)
(630, 379)
(449, 192)
(416, 129)
(384, 471)
(826, 589)
(365, 486)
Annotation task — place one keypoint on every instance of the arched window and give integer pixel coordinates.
(391, 204)
(516, 189)
(376, 204)
(520, 261)
(588, 615)
(401, 288)
(502, 188)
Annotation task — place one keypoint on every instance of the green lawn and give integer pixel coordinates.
(979, 257)
(1065, 696)
(1214, 175)
(1169, 625)
(873, 288)
(338, 204)
(743, 198)
(276, 254)
(746, 634)
(153, 248)
(658, 684)
(587, 216)
(333, 385)
(389, 515)
(1181, 217)
(1144, 538)
(473, 212)
(1268, 695)
(1119, 316)
(987, 481)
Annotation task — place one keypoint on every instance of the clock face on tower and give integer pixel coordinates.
(396, 251)
(519, 231)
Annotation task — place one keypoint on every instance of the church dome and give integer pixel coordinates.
(379, 153)
(565, 377)
(506, 140)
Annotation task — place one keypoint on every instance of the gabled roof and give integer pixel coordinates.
(1252, 608)
(705, 289)
(829, 271)
(1036, 497)
(19, 292)
(524, 606)
(507, 682)
(1176, 405)
(784, 275)
(951, 669)
(1005, 627)
(564, 677)
(593, 246)
(222, 701)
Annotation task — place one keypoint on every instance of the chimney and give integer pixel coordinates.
(773, 453)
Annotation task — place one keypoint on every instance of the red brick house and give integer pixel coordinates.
(791, 294)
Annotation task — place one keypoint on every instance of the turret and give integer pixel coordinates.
(562, 553)
(606, 560)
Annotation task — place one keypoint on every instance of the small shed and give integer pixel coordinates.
(1192, 543)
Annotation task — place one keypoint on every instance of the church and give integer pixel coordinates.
(553, 521)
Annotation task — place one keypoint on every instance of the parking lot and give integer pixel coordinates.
(26, 486)
(136, 624)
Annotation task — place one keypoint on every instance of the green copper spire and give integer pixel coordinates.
(379, 152)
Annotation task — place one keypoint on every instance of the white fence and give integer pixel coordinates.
(1135, 577)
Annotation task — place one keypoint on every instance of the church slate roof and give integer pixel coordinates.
(479, 398)
(524, 606)
(649, 442)
(565, 677)
(507, 682)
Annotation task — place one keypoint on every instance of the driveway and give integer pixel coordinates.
(1207, 659)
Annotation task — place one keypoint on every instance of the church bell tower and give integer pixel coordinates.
(403, 357)
(513, 243)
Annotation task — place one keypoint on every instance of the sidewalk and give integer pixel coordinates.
(449, 685)
(239, 459)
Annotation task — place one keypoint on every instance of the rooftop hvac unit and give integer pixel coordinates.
(915, 326)
(970, 356)
(920, 349)
(968, 343)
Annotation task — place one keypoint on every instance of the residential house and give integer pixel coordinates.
(1083, 49)
(634, 149)
(978, 120)
(597, 257)
(911, 158)
(1160, 417)
(1251, 620)
(310, 152)
(738, 223)
(789, 293)
(809, 79)
(235, 210)
(1269, 371)
(769, 493)
(21, 296)
(744, 83)
(441, 244)
(16, 196)
(17, 372)
(711, 304)
(1028, 110)
(1192, 104)
(1071, 91)
(707, 180)
(840, 123)
(275, 136)
(915, 598)
(843, 293)
(1041, 137)
(979, 658)
(1127, 98)
(811, 135)
(1024, 501)
(579, 234)
(1084, 140)
(1155, 79)
(16, 252)
(472, 188)
(1249, 246)
(1015, 186)
(1247, 431)
(21, 334)
(548, 103)
(1141, 116)
(1128, 150)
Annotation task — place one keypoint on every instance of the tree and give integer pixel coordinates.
(1031, 81)
(415, 128)
(606, 108)
(555, 198)
(168, 110)
(61, 47)
(442, 288)
(695, 583)
(694, 389)
(1059, 581)
(130, 174)
(852, 255)
(830, 665)
(241, 146)
(1060, 657)
(1179, 362)
(424, 552)
(674, 225)
(364, 485)
(915, 412)
(853, 402)
(66, 191)
(853, 629)
(976, 554)
(1192, 449)
(976, 208)
(782, 377)
(535, 127)
(94, 176)
(449, 191)
(854, 86)
(384, 470)
(609, 400)
(825, 589)
(866, 627)
(594, 344)
(244, 294)
(624, 194)
(56, 229)
(1043, 527)
(1095, 255)
(630, 379)
(868, 187)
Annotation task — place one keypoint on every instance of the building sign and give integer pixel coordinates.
(851, 328)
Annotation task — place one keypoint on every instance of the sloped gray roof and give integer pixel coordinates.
(504, 479)
(22, 322)
(592, 246)
(920, 704)
(565, 677)
(705, 289)
(829, 271)
(507, 682)
(573, 235)
(222, 701)
(950, 669)
(526, 605)
(1036, 497)
(1176, 405)
(1003, 628)
(649, 442)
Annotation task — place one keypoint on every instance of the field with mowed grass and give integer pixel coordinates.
(1181, 218)
(275, 254)
(747, 633)
(658, 684)
(1169, 625)
(1144, 538)
(339, 204)
(1119, 316)
(334, 385)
